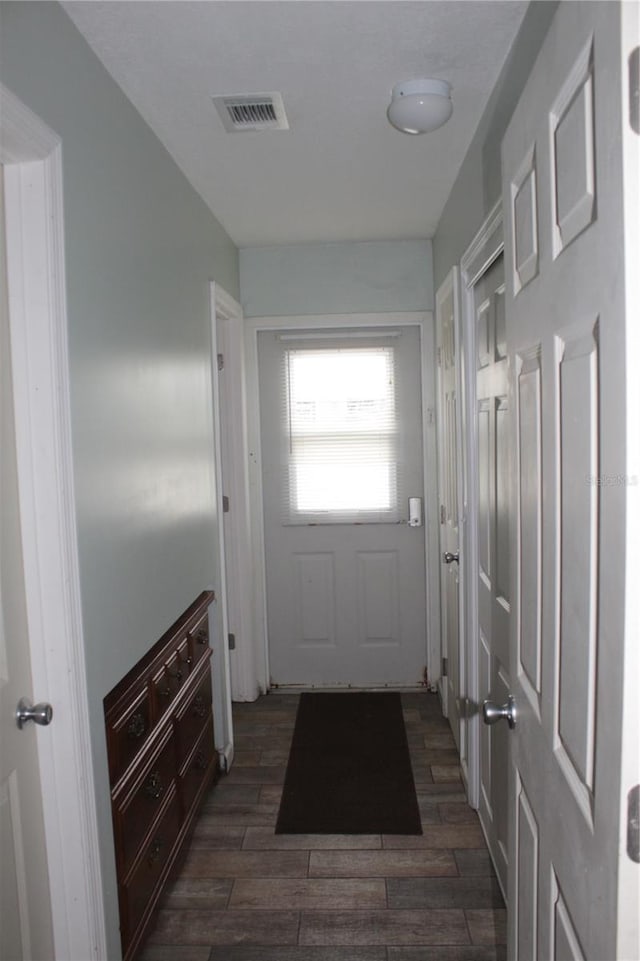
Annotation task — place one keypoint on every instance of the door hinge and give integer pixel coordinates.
(225, 504)
(443, 514)
(634, 90)
(633, 824)
(232, 642)
(439, 356)
(220, 361)
(445, 666)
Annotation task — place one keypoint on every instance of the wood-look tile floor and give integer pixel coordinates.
(247, 894)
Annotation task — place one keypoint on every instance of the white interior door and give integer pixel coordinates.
(25, 912)
(493, 566)
(566, 329)
(345, 600)
(446, 299)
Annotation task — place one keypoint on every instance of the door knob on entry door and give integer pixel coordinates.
(39, 713)
(448, 557)
(492, 713)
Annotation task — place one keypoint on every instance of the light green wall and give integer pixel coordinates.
(141, 248)
(339, 278)
(478, 184)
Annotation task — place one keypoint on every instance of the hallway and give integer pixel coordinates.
(245, 894)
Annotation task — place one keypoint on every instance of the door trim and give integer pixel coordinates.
(628, 872)
(220, 666)
(447, 288)
(450, 286)
(32, 155)
(424, 321)
(235, 478)
(483, 250)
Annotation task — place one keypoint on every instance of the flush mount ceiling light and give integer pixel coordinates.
(419, 106)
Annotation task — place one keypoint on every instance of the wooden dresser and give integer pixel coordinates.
(161, 761)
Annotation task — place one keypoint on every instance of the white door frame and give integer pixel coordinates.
(446, 289)
(629, 871)
(450, 287)
(234, 464)
(424, 321)
(32, 156)
(220, 667)
(485, 247)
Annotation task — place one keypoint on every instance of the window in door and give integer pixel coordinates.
(341, 428)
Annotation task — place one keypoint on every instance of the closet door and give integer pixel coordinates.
(574, 497)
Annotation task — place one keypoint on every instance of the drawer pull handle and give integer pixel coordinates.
(202, 636)
(177, 676)
(155, 850)
(189, 661)
(137, 726)
(154, 787)
(200, 763)
(199, 706)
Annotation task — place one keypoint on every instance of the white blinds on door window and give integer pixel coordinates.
(340, 422)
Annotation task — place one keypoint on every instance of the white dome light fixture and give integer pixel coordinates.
(419, 106)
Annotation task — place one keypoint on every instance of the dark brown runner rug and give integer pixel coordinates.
(349, 770)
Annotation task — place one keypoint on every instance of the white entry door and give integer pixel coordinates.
(566, 329)
(25, 912)
(341, 431)
(493, 565)
(446, 299)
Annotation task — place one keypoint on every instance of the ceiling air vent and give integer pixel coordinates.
(254, 111)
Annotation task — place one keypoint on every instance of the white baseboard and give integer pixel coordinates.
(226, 757)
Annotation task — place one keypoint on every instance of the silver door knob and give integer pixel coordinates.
(39, 713)
(449, 558)
(492, 713)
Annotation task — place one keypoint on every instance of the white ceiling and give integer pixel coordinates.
(341, 172)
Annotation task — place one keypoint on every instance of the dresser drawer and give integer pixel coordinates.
(198, 767)
(170, 678)
(191, 718)
(199, 639)
(128, 730)
(185, 657)
(139, 887)
(139, 802)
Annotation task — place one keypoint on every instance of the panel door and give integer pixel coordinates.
(493, 571)
(448, 498)
(345, 602)
(25, 912)
(564, 213)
